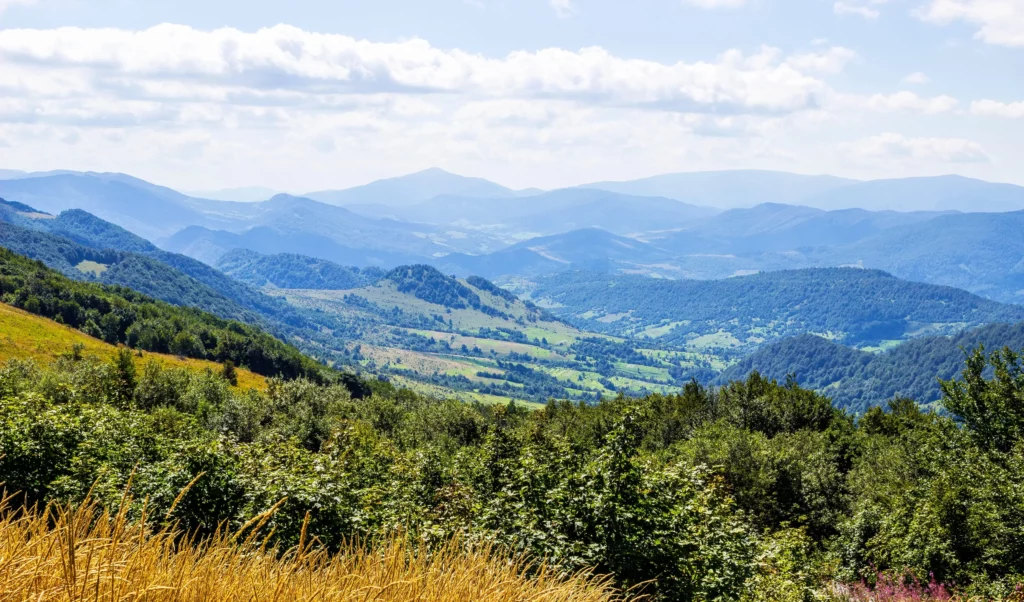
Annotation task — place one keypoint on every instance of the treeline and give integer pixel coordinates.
(120, 315)
(757, 491)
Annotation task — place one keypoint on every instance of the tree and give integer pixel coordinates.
(229, 373)
(992, 410)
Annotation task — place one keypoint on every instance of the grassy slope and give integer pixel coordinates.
(26, 336)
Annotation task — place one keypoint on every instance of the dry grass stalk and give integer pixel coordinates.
(83, 553)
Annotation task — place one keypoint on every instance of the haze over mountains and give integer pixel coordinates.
(688, 225)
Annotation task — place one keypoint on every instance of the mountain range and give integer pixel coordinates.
(671, 226)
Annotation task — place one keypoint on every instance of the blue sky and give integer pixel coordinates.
(306, 94)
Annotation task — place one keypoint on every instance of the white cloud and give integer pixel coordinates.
(716, 3)
(834, 60)
(292, 105)
(890, 147)
(285, 61)
(564, 8)
(904, 101)
(992, 108)
(999, 22)
(916, 78)
(908, 101)
(867, 9)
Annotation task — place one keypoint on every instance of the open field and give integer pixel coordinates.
(27, 336)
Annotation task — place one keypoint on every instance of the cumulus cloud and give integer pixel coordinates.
(890, 147)
(998, 22)
(993, 108)
(834, 60)
(286, 101)
(916, 78)
(284, 60)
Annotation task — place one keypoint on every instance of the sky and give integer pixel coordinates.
(312, 94)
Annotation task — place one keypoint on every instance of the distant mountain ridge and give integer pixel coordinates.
(414, 188)
(745, 188)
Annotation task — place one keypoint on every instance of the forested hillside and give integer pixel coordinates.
(857, 380)
(120, 315)
(288, 270)
(854, 306)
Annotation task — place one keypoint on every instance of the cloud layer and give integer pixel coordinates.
(284, 100)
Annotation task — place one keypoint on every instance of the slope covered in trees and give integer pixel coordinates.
(857, 380)
(857, 307)
(289, 270)
(119, 315)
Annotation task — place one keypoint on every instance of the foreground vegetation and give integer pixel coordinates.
(83, 553)
(756, 491)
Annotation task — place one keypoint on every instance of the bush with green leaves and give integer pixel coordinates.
(757, 491)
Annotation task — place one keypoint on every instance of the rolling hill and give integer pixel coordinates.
(467, 337)
(862, 308)
(27, 336)
(287, 270)
(120, 315)
(857, 380)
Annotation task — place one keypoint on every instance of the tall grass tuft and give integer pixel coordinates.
(84, 553)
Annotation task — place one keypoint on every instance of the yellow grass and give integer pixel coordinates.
(85, 554)
(27, 336)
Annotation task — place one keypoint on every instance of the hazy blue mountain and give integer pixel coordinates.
(288, 270)
(856, 380)
(979, 252)
(772, 227)
(858, 307)
(941, 193)
(735, 189)
(7, 174)
(549, 212)
(413, 188)
(728, 189)
(143, 208)
(520, 262)
(244, 194)
(83, 228)
(591, 247)
(209, 246)
(585, 249)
